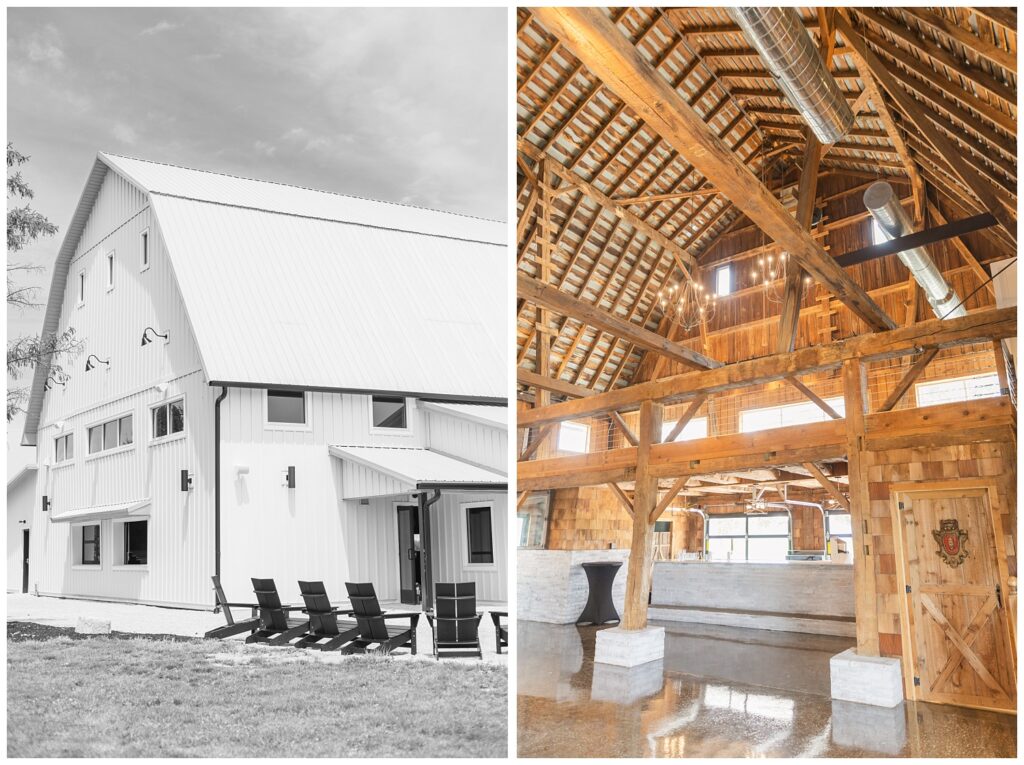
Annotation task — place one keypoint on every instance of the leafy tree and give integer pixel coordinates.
(24, 227)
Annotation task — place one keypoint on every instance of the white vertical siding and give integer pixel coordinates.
(450, 562)
(20, 503)
(455, 436)
(181, 524)
(110, 323)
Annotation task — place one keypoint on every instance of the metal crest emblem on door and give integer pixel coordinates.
(952, 542)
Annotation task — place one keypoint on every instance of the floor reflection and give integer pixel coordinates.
(723, 692)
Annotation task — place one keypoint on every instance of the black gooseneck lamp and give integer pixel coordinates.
(146, 339)
(90, 364)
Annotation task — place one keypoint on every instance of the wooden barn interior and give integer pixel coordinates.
(766, 335)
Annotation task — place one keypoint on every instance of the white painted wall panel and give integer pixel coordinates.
(20, 503)
(458, 437)
(181, 528)
(450, 563)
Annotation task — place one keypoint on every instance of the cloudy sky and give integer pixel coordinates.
(405, 105)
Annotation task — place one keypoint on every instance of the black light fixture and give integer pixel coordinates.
(186, 480)
(89, 365)
(146, 339)
(51, 381)
(47, 503)
(289, 477)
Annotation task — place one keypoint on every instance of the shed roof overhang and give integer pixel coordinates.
(406, 470)
(134, 508)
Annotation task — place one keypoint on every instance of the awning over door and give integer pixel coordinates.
(134, 507)
(380, 471)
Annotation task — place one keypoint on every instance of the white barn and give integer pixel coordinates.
(281, 383)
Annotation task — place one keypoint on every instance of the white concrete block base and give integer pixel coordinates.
(626, 685)
(87, 626)
(630, 648)
(875, 680)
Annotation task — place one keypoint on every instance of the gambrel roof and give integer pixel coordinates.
(288, 286)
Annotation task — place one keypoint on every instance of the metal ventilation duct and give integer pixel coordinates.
(885, 207)
(779, 37)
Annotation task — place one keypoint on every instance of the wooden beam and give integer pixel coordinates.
(521, 499)
(621, 496)
(908, 379)
(666, 500)
(965, 251)
(993, 324)
(645, 500)
(596, 41)
(624, 427)
(827, 485)
(854, 377)
(814, 398)
(683, 259)
(549, 297)
(1004, 58)
(533, 379)
(533, 446)
(687, 416)
(945, 148)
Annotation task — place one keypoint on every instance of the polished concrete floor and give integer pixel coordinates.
(724, 692)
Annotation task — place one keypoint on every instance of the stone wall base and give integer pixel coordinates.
(630, 648)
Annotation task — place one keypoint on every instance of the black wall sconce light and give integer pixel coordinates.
(186, 480)
(289, 477)
(146, 339)
(90, 365)
(47, 503)
(50, 382)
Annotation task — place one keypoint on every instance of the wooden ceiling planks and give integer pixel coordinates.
(583, 125)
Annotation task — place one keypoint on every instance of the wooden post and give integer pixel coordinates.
(645, 499)
(865, 606)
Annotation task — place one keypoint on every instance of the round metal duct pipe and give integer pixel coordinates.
(885, 207)
(788, 51)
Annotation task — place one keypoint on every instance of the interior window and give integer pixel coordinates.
(136, 543)
(723, 280)
(573, 437)
(388, 412)
(91, 545)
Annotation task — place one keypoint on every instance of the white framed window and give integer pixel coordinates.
(389, 413)
(840, 526)
(573, 437)
(478, 535)
(144, 249)
(695, 429)
(111, 434)
(723, 280)
(286, 407)
(81, 288)
(64, 448)
(957, 389)
(753, 420)
(131, 543)
(110, 270)
(167, 419)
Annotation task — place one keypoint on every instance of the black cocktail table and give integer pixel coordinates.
(600, 609)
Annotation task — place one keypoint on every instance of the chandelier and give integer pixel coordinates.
(687, 304)
(769, 273)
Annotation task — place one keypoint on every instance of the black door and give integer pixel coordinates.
(409, 553)
(24, 565)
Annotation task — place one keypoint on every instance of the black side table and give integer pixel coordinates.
(600, 609)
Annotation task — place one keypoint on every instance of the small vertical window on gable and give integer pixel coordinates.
(81, 287)
(110, 270)
(144, 250)
(723, 281)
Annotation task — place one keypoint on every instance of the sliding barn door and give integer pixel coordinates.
(960, 627)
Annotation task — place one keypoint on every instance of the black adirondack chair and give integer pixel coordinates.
(374, 631)
(500, 630)
(275, 627)
(323, 620)
(232, 627)
(454, 622)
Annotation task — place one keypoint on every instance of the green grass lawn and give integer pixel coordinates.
(105, 697)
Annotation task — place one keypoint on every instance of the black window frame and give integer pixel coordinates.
(144, 236)
(476, 511)
(287, 394)
(126, 538)
(94, 542)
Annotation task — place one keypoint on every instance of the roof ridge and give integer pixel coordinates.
(304, 188)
